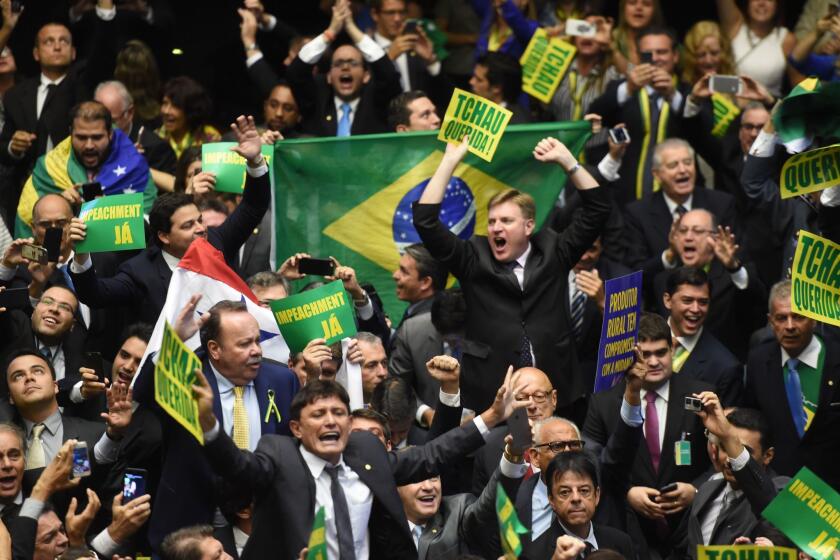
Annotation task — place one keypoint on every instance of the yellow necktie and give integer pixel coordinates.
(681, 354)
(240, 419)
(35, 458)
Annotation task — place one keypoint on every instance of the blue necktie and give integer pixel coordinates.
(344, 122)
(793, 388)
(577, 308)
(66, 274)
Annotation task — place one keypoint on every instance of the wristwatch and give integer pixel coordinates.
(574, 169)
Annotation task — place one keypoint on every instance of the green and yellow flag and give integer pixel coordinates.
(351, 198)
(509, 525)
(317, 538)
(812, 108)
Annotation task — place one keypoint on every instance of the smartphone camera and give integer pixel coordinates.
(646, 57)
(619, 135)
(81, 460)
(134, 484)
(694, 404)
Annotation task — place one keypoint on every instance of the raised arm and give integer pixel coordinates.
(730, 17)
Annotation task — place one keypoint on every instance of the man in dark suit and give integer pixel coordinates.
(729, 504)
(361, 81)
(517, 279)
(697, 352)
(737, 294)
(574, 493)
(793, 381)
(667, 427)
(252, 397)
(650, 222)
(412, 111)
(498, 77)
(411, 51)
(53, 331)
(650, 103)
(118, 100)
(292, 480)
(143, 281)
(418, 278)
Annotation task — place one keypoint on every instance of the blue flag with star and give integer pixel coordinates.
(124, 171)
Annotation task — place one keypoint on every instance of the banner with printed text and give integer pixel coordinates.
(811, 171)
(324, 312)
(544, 63)
(623, 297)
(227, 165)
(174, 379)
(481, 119)
(807, 511)
(815, 279)
(741, 551)
(114, 223)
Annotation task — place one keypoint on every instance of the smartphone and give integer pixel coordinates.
(668, 488)
(91, 190)
(832, 9)
(520, 429)
(645, 57)
(52, 243)
(619, 135)
(319, 267)
(93, 360)
(580, 28)
(725, 84)
(694, 404)
(17, 6)
(15, 298)
(410, 27)
(81, 460)
(34, 253)
(134, 484)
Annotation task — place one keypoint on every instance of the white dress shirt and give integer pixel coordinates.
(359, 503)
(590, 537)
(401, 63)
(252, 406)
(810, 356)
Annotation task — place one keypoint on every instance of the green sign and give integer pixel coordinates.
(811, 171)
(317, 547)
(324, 312)
(745, 552)
(114, 223)
(174, 380)
(808, 512)
(227, 165)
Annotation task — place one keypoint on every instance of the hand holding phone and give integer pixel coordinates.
(81, 460)
(730, 85)
(645, 57)
(34, 253)
(668, 488)
(520, 429)
(134, 484)
(410, 27)
(91, 191)
(619, 135)
(693, 404)
(52, 243)
(580, 28)
(319, 267)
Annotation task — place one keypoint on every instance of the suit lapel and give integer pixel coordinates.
(673, 423)
(430, 532)
(661, 217)
(523, 499)
(533, 262)
(217, 400)
(776, 385)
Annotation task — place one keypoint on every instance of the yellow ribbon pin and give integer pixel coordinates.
(272, 405)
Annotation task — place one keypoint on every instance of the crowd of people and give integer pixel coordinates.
(91, 465)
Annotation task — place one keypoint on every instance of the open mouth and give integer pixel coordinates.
(689, 251)
(8, 482)
(683, 181)
(499, 243)
(692, 321)
(125, 377)
(345, 81)
(329, 437)
(51, 321)
(427, 499)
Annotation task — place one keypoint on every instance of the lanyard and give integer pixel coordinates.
(644, 105)
(577, 96)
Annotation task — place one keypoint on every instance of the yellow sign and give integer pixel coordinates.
(815, 282)
(544, 63)
(811, 171)
(480, 119)
(174, 379)
(745, 552)
(724, 113)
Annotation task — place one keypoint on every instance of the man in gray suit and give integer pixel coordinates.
(730, 503)
(418, 278)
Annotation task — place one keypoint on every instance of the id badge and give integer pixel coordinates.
(682, 453)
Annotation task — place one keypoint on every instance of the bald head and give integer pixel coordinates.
(51, 210)
(119, 103)
(535, 387)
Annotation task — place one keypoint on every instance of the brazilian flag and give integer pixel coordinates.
(509, 525)
(812, 108)
(124, 171)
(350, 198)
(317, 547)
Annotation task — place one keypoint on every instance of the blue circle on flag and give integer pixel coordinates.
(457, 212)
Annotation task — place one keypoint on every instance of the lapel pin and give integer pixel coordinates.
(368, 467)
(272, 407)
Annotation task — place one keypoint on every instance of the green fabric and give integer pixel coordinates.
(810, 380)
(811, 108)
(349, 197)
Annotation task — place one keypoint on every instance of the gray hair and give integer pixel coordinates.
(370, 338)
(540, 423)
(780, 290)
(668, 144)
(121, 90)
(269, 279)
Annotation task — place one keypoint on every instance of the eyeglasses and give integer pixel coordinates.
(49, 302)
(584, 492)
(348, 61)
(752, 127)
(558, 446)
(695, 230)
(538, 397)
(60, 224)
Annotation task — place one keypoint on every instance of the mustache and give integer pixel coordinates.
(254, 361)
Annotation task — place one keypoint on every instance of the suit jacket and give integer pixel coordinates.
(455, 530)
(17, 333)
(415, 343)
(607, 537)
(189, 491)
(733, 313)
(143, 281)
(603, 418)
(630, 114)
(499, 310)
(765, 390)
(278, 476)
(741, 518)
(23, 531)
(713, 363)
(648, 223)
(317, 103)
(256, 253)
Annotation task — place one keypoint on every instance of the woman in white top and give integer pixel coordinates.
(759, 43)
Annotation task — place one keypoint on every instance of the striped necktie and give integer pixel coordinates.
(578, 306)
(681, 355)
